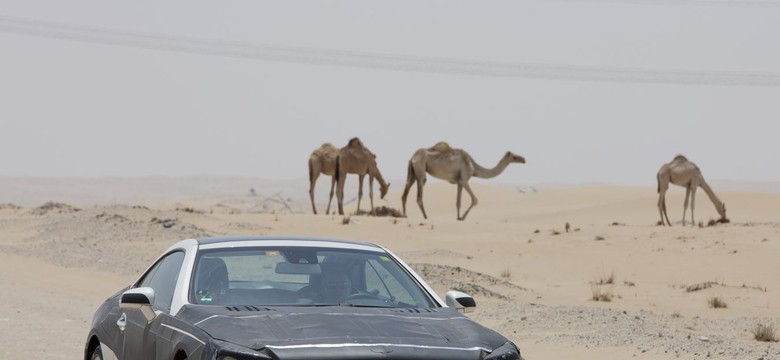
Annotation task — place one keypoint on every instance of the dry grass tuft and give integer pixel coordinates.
(54, 207)
(506, 273)
(607, 280)
(765, 333)
(759, 288)
(382, 211)
(554, 232)
(700, 286)
(713, 222)
(9, 206)
(676, 315)
(716, 303)
(600, 293)
(599, 238)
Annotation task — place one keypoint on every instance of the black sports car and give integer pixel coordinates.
(235, 298)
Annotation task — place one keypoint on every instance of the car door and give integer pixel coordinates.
(140, 334)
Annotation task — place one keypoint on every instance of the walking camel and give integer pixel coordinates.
(322, 161)
(453, 165)
(355, 158)
(684, 173)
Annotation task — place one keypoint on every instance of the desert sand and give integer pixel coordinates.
(533, 280)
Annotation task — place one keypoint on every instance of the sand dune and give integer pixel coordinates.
(532, 280)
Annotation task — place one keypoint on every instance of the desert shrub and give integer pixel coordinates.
(506, 273)
(700, 286)
(717, 303)
(600, 293)
(610, 279)
(764, 333)
(382, 211)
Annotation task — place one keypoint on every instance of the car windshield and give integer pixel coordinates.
(303, 276)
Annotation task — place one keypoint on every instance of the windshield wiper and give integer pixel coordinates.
(364, 306)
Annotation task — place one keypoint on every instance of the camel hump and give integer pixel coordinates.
(441, 147)
(680, 157)
(355, 142)
(325, 150)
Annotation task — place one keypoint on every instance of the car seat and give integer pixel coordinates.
(212, 281)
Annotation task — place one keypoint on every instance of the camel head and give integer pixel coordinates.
(383, 190)
(514, 158)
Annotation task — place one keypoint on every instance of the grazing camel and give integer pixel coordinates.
(684, 173)
(357, 159)
(322, 161)
(453, 165)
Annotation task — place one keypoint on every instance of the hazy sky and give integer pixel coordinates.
(587, 91)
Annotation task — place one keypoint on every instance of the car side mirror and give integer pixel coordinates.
(139, 299)
(460, 301)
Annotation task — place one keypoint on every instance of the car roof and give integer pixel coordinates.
(253, 238)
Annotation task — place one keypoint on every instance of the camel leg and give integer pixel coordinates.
(332, 185)
(409, 182)
(371, 193)
(457, 200)
(663, 186)
(340, 193)
(312, 181)
(666, 214)
(360, 191)
(662, 208)
(693, 203)
(473, 199)
(685, 205)
(405, 194)
(420, 184)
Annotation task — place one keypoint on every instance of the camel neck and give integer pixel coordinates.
(715, 201)
(379, 178)
(485, 173)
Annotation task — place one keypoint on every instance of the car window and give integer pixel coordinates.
(300, 276)
(380, 281)
(162, 278)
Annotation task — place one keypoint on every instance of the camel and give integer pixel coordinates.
(322, 161)
(355, 158)
(453, 165)
(684, 173)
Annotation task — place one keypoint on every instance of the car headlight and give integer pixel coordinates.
(508, 351)
(240, 355)
(224, 350)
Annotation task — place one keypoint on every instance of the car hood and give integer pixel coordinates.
(347, 332)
